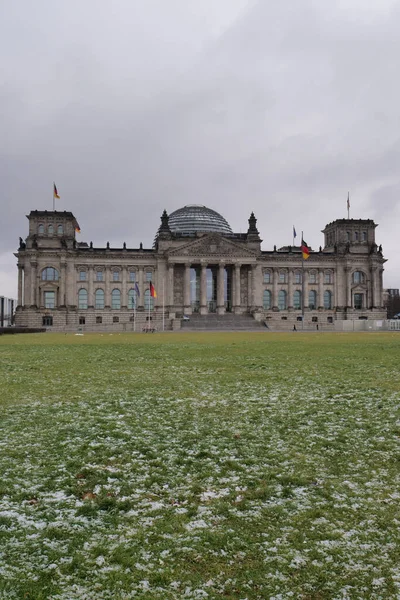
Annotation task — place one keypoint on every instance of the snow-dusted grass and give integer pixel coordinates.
(234, 466)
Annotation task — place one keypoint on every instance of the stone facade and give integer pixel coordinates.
(67, 285)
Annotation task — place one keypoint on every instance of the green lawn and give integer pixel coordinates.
(235, 466)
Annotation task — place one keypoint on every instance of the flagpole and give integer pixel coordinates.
(54, 200)
(302, 284)
(149, 303)
(163, 304)
(348, 205)
(134, 312)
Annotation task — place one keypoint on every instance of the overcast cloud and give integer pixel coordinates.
(133, 106)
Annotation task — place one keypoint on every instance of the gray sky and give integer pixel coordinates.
(133, 106)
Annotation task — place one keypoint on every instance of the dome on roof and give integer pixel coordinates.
(196, 217)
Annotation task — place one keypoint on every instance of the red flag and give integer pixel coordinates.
(55, 192)
(305, 249)
(153, 292)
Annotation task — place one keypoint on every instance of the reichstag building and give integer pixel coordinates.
(197, 267)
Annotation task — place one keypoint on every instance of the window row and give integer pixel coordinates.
(51, 274)
(99, 299)
(297, 300)
(357, 277)
(357, 236)
(298, 277)
(50, 229)
(115, 275)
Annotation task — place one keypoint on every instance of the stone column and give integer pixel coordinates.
(237, 302)
(340, 287)
(256, 284)
(275, 275)
(19, 301)
(379, 299)
(220, 290)
(140, 299)
(171, 300)
(124, 291)
(290, 289)
(107, 295)
(62, 299)
(320, 299)
(203, 289)
(34, 301)
(186, 290)
(71, 284)
(304, 289)
(348, 287)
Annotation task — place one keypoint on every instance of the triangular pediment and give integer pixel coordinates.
(213, 245)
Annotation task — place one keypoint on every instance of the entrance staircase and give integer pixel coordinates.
(226, 322)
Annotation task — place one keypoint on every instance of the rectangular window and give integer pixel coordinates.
(312, 278)
(356, 236)
(115, 319)
(82, 320)
(49, 299)
(115, 275)
(99, 320)
(99, 275)
(364, 236)
(132, 276)
(299, 318)
(267, 277)
(328, 278)
(297, 277)
(330, 319)
(82, 275)
(149, 275)
(132, 318)
(47, 321)
(314, 319)
(282, 277)
(358, 301)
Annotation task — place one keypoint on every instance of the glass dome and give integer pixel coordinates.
(196, 217)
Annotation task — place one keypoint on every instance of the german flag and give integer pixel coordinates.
(153, 292)
(55, 192)
(305, 249)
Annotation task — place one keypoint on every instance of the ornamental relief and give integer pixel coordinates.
(214, 246)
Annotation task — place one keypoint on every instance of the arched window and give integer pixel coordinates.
(99, 298)
(60, 229)
(49, 274)
(267, 277)
(132, 298)
(50, 229)
(82, 298)
(356, 236)
(148, 300)
(267, 300)
(116, 299)
(41, 228)
(312, 277)
(297, 300)
(358, 277)
(327, 299)
(282, 300)
(312, 299)
(282, 277)
(364, 236)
